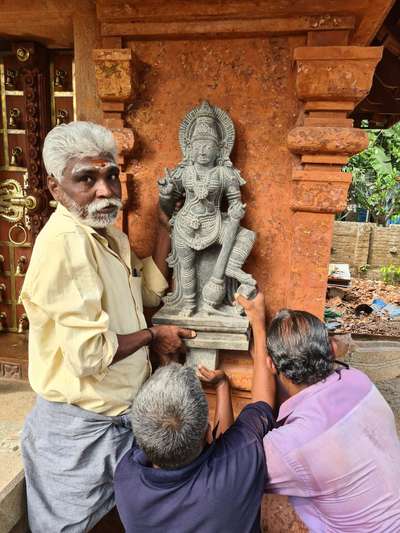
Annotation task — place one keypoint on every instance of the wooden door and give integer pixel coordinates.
(36, 90)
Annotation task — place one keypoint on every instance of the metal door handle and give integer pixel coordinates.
(13, 201)
(29, 202)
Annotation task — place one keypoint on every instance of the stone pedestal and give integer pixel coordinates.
(214, 333)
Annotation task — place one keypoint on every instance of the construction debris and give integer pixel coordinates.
(339, 275)
(367, 307)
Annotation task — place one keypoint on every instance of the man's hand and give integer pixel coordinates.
(168, 343)
(212, 377)
(223, 417)
(254, 309)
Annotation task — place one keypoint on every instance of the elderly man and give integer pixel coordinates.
(336, 452)
(88, 339)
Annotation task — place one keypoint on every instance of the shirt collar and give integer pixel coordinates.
(295, 401)
(161, 476)
(64, 212)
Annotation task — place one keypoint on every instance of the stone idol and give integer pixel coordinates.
(209, 246)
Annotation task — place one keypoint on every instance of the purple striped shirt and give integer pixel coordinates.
(337, 456)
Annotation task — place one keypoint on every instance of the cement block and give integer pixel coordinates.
(380, 360)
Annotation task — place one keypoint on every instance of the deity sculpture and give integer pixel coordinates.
(209, 247)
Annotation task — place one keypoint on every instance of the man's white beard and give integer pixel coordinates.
(89, 214)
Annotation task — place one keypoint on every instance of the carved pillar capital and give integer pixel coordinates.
(330, 81)
(335, 73)
(326, 140)
(116, 87)
(125, 142)
(324, 191)
(114, 74)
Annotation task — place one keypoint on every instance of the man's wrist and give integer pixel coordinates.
(223, 383)
(258, 328)
(152, 336)
(259, 348)
(259, 337)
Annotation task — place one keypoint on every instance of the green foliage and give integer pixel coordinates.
(390, 274)
(374, 186)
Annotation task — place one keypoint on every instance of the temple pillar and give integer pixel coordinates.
(330, 81)
(116, 88)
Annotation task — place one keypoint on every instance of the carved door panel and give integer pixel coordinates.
(36, 89)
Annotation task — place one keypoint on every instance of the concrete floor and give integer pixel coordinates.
(17, 399)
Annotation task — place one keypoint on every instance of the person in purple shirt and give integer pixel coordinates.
(335, 451)
(177, 478)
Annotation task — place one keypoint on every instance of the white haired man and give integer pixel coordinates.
(88, 341)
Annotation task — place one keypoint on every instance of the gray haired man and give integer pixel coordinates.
(176, 478)
(88, 341)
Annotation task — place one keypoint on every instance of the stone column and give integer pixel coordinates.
(330, 81)
(116, 87)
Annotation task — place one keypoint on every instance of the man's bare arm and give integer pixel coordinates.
(263, 384)
(128, 344)
(223, 409)
(223, 417)
(165, 340)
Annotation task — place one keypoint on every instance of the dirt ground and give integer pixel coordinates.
(278, 516)
(364, 291)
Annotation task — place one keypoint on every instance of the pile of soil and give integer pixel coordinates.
(364, 291)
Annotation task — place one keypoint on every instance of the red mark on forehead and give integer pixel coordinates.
(101, 162)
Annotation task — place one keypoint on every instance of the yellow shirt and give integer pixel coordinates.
(79, 294)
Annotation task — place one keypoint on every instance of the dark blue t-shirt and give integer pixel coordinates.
(219, 492)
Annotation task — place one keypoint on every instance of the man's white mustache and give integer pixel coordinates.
(96, 206)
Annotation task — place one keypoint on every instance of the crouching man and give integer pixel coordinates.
(335, 451)
(177, 478)
(88, 339)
